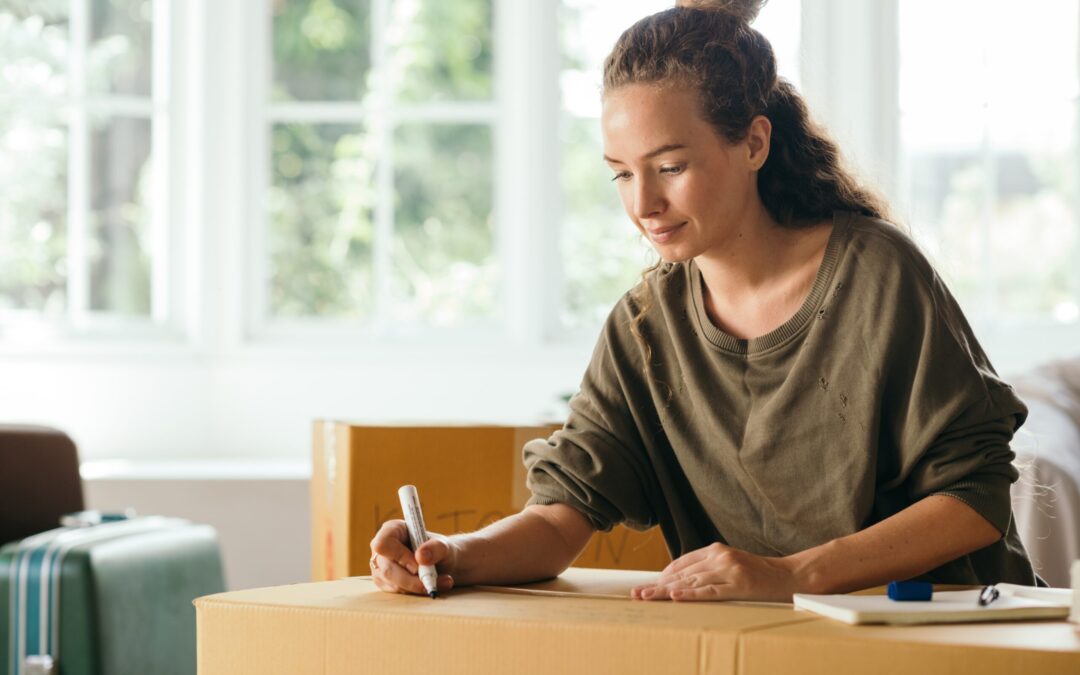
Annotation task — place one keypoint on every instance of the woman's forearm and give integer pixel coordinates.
(537, 543)
(923, 536)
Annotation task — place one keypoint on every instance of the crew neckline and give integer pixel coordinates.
(774, 338)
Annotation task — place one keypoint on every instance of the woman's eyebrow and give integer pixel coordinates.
(652, 153)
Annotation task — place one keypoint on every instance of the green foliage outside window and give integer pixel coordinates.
(324, 192)
(35, 142)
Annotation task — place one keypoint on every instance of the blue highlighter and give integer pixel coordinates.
(908, 591)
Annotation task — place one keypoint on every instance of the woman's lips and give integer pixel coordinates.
(662, 234)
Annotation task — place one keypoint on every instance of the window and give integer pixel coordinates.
(381, 120)
(372, 179)
(378, 198)
(83, 125)
(989, 146)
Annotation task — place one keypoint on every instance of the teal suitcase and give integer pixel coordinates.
(108, 599)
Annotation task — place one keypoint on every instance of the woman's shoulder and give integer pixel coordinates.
(888, 250)
(880, 234)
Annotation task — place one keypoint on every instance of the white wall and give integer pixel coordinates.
(262, 405)
(123, 405)
(260, 510)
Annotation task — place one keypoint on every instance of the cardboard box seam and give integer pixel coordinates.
(779, 624)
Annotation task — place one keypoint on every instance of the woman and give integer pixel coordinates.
(791, 394)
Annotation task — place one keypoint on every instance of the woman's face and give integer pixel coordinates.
(686, 188)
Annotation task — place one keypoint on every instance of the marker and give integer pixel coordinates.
(414, 520)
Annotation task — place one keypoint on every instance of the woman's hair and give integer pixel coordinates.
(710, 47)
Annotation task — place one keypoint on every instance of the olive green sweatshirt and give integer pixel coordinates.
(875, 395)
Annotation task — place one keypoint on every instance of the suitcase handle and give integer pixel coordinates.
(91, 518)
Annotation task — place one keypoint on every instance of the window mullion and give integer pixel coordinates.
(857, 98)
(161, 302)
(317, 112)
(333, 112)
(188, 108)
(78, 265)
(987, 296)
(258, 262)
(527, 191)
(989, 281)
(381, 122)
(1074, 282)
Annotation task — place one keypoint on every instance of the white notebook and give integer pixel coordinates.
(1015, 603)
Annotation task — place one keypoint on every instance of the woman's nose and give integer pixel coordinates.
(648, 200)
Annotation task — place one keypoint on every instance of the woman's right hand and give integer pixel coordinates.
(394, 566)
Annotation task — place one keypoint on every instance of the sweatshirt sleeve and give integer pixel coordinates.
(950, 417)
(971, 459)
(597, 463)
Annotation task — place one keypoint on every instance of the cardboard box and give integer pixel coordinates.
(584, 623)
(827, 647)
(347, 626)
(467, 477)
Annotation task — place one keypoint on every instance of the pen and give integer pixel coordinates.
(987, 595)
(414, 520)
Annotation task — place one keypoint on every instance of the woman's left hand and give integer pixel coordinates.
(719, 572)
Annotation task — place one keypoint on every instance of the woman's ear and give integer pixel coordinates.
(757, 141)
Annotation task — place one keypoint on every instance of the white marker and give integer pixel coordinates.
(414, 519)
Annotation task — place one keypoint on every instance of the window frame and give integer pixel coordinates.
(859, 101)
(383, 116)
(27, 330)
(215, 99)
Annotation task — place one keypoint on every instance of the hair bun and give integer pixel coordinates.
(747, 10)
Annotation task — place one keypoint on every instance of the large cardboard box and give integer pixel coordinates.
(584, 623)
(827, 647)
(347, 627)
(467, 477)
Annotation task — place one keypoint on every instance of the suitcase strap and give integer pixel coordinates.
(34, 596)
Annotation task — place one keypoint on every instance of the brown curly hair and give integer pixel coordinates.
(711, 47)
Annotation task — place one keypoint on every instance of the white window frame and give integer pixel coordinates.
(858, 99)
(29, 330)
(211, 159)
(525, 102)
